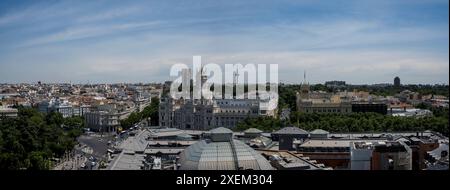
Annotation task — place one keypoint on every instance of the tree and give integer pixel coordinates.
(37, 161)
(54, 118)
(151, 111)
(353, 122)
(31, 139)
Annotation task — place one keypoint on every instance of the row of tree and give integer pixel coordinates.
(150, 111)
(392, 90)
(353, 122)
(32, 139)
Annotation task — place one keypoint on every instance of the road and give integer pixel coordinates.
(99, 145)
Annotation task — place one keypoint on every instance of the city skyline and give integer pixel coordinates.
(359, 42)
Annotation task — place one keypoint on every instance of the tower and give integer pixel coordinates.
(236, 77)
(397, 82)
(203, 77)
(304, 88)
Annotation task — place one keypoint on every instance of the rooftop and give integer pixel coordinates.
(291, 130)
(220, 134)
(253, 130)
(220, 130)
(326, 143)
(127, 162)
(163, 150)
(206, 155)
(288, 160)
(390, 147)
(319, 132)
(332, 143)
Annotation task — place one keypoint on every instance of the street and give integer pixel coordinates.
(98, 145)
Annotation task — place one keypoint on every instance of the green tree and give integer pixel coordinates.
(31, 139)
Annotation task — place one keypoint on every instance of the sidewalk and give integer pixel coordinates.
(73, 163)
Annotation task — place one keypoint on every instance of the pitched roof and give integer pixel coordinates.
(253, 130)
(319, 131)
(291, 130)
(220, 130)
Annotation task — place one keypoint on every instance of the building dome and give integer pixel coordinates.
(222, 153)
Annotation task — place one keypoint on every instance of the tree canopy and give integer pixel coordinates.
(32, 139)
(151, 111)
(353, 122)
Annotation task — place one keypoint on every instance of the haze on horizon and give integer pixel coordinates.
(357, 41)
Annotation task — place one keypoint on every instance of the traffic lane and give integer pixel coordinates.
(99, 147)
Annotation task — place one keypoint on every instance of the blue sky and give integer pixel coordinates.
(360, 41)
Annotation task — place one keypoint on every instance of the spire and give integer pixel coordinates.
(304, 77)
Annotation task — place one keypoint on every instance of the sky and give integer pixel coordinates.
(357, 41)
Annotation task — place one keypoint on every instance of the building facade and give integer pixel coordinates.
(102, 121)
(392, 156)
(8, 112)
(321, 102)
(105, 118)
(64, 107)
(207, 114)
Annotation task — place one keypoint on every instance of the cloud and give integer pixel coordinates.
(82, 32)
(44, 12)
(357, 67)
(109, 14)
(128, 42)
